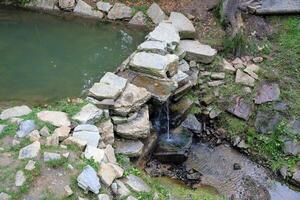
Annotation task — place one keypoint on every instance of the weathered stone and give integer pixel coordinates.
(121, 120)
(110, 154)
(183, 66)
(88, 114)
(56, 118)
(130, 148)
(294, 125)
(156, 47)
(109, 87)
(267, 92)
(85, 9)
(34, 136)
(251, 73)
(156, 14)
(52, 140)
(119, 11)
(102, 104)
(66, 4)
(88, 180)
(30, 151)
(258, 59)
(197, 51)
(98, 155)
(136, 184)
(30, 165)
(244, 79)
(75, 141)
(267, 122)
(296, 175)
(88, 133)
(4, 196)
(20, 178)
(68, 190)
(183, 25)
(281, 106)
(62, 132)
(120, 190)
(179, 111)
(44, 131)
(17, 111)
(107, 174)
(103, 6)
(228, 66)
(165, 32)
(119, 171)
(216, 75)
(180, 53)
(25, 128)
(191, 123)
(137, 128)
(240, 109)
(292, 147)
(155, 64)
(49, 156)
(106, 130)
(43, 4)
(215, 112)
(139, 19)
(103, 197)
(180, 78)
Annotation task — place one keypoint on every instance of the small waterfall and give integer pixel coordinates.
(161, 120)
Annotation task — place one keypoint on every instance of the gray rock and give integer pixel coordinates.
(197, 51)
(155, 64)
(88, 114)
(295, 126)
(110, 154)
(228, 66)
(98, 155)
(215, 112)
(34, 136)
(267, 122)
(244, 79)
(154, 47)
(62, 132)
(120, 189)
(66, 4)
(49, 156)
(131, 100)
(15, 120)
(218, 75)
(25, 128)
(120, 11)
(109, 87)
(30, 165)
(240, 109)
(121, 120)
(103, 6)
(107, 174)
(267, 92)
(69, 192)
(4, 196)
(183, 66)
(30, 151)
(131, 198)
(106, 129)
(156, 14)
(52, 140)
(75, 141)
(130, 148)
(20, 178)
(44, 131)
(88, 180)
(136, 184)
(296, 175)
(2, 128)
(281, 106)
(85, 9)
(183, 25)
(292, 147)
(43, 4)
(103, 197)
(165, 32)
(180, 78)
(137, 128)
(215, 83)
(192, 124)
(88, 133)
(17, 111)
(180, 53)
(139, 19)
(56, 118)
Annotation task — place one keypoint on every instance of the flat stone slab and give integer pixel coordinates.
(183, 25)
(109, 87)
(156, 14)
(165, 32)
(136, 183)
(155, 64)
(88, 114)
(88, 133)
(85, 9)
(131, 100)
(195, 51)
(154, 47)
(279, 7)
(267, 92)
(30, 151)
(88, 180)
(56, 118)
(130, 148)
(25, 128)
(17, 111)
(240, 109)
(137, 128)
(120, 11)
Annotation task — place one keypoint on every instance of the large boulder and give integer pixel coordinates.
(130, 148)
(17, 111)
(155, 64)
(88, 114)
(85, 9)
(267, 92)
(131, 100)
(120, 11)
(88, 133)
(139, 19)
(30, 151)
(156, 14)
(183, 25)
(88, 180)
(56, 118)
(195, 51)
(109, 87)
(66, 4)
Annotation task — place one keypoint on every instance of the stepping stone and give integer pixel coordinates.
(267, 92)
(17, 111)
(139, 19)
(155, 64)
(183, 25)
(137, 128)
(25, 128)
(20, 178)
(30, 151)
(56, 118)
(130, 148)
(98, 155)
(88, 114)
(156, 14)
(109, 87)
(244, 79)
(88, 180)
(88, 133)
(156, 47)
(85, 9)
(241, 109)
(120, 11)
(165, 32)
(136, 184)
(48, 156)
(104, 6)
(131, 100)
(195, 51)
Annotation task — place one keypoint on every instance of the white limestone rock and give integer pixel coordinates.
(88, 114)
(183, 25)
(156, 14)
(120, 11)
(85, 9)
(56, 118)
(13, 112)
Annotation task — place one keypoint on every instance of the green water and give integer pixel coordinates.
(44, 57)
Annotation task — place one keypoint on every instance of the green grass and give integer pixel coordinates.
(62, 162)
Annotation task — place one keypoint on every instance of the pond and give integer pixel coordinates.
(45, 57)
